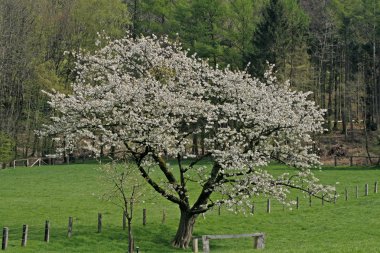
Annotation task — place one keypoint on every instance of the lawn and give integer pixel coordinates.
(33, 195)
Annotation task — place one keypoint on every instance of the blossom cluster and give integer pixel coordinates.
(148, 94)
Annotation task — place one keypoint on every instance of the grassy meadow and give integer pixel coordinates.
(33, 195)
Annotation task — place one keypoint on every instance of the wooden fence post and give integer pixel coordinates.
(366, 189)
(346, 193)
(323, 200)
(206, 244)
(124, 220)
(298, 203)
(309, 200)
(195, 245)
(163, 216)
(375, 190)
(351, 163)
(219, 210)
(24, 238)
(335, 161)
(47, 231)
(253, 208)
(268, 206)
(99, 222)
(335, 197)
(259, 242)
(70, 227)
(4, 243)
(144, 216)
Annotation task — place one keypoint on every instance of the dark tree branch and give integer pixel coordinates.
(138, 159)
(159, 189)
(162, 164)
(183, 193)
(208, 188)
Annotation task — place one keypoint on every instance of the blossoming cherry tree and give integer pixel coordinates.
(147, 97)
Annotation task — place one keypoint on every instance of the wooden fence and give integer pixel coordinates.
(29, 162)
(353, 161)
(53, 160)
(266, 206)
(50, 160)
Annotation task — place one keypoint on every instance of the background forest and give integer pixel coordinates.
(326, 46)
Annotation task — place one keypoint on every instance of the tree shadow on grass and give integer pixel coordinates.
(149, 238)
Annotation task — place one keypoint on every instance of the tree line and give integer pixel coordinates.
(328, 47)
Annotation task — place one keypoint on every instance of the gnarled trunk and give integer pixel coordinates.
(184, 233)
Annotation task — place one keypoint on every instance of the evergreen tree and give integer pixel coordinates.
(267, 38)
(280, 39)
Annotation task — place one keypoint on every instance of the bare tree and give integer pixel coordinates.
(126, 190)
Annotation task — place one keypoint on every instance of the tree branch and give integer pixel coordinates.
(161, 163)
(208, 188)
(159, 189)
(302, 189)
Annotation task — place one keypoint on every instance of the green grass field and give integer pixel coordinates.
(33, 195)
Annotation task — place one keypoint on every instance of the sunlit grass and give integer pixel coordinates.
(33, 195)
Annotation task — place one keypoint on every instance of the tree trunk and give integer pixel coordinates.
(351, 120)
(203, 136)
(184, 233)
(344, 123)
(131, 242)
(336, 101)
(195, 145)
(329, 103)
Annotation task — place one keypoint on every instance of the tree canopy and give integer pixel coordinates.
(146, 96)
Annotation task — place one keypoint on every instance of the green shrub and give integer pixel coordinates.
(6, 148)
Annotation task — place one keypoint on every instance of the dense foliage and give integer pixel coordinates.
(7, 146)
(328, 47)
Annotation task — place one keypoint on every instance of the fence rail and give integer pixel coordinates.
(29, 162)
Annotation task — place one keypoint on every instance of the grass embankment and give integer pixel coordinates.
(33, 195)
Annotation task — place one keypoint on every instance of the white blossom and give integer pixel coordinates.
(147, 94)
